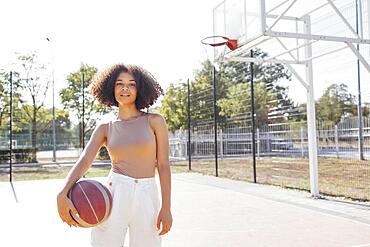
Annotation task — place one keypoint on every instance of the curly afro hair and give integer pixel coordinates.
(148, 89)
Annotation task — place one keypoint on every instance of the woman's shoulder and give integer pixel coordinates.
(156, 120)
(102, 127)
(103, 123)
(155, 116)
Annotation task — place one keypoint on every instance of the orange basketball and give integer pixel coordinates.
(93, 202)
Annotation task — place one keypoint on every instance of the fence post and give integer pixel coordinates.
(184, 142)
(29, 134)
(195, 141)
(258, 142)
(268, 147)
(302, 140)
(226, 141)
(221, 144)
(188, 154)
(336, 141)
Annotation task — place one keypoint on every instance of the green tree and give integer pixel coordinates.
(272, 103)
(33, 84)
(232, 97)
(335, 103)
(71, 98)
(301, 113)
(366, 110)
(5, 97)
(236, 102)
(44, 127)
(174, 107)
(63, 130)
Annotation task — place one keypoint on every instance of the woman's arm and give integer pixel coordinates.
(164, 171)
(86, 158)
(78, 170)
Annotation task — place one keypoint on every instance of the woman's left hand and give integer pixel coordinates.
(164, 217)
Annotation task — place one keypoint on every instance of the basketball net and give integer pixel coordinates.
(219, 45)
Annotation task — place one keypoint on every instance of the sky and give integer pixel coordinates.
(163, 36)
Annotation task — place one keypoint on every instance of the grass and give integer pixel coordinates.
(59, 172)
(337, 177)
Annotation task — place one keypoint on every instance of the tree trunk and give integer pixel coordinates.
(34, 135)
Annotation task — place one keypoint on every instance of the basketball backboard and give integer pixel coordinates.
(255, 22)
(294, 33)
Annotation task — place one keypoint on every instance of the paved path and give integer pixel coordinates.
(207, 211)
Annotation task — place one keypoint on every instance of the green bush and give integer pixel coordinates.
(103, 154)
(20, 155)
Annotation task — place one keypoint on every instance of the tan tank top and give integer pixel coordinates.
(131, 143)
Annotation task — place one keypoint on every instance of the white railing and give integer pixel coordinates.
(286, 139)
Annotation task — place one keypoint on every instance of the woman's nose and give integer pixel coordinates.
(125, 87)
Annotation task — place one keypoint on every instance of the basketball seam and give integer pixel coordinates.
(105, 196)
(92, 208)
(79, 220)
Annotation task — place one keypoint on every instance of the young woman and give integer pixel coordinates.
(137, 142)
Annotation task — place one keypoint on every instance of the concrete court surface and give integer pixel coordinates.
(207, 211)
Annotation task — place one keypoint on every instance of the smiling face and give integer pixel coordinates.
(125, 90)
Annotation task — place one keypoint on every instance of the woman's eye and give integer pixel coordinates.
(131, 85)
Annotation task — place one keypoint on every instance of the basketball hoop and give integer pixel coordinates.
(214, 41)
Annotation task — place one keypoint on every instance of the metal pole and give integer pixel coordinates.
(258, 143)
(253, 121)
(336, 140)
(359, 106)
(53, 92)
(221, 144)
(215, 115)
(302, 140)
(83, 110)
(54, 139)
(189, 126)
(10, 127)
(311, 116)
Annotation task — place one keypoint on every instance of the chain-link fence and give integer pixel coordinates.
(282, 155)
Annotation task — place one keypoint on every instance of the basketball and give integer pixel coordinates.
(93, 202)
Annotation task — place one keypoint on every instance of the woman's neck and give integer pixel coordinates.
(126, 113)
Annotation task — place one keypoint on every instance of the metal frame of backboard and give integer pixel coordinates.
(268, 32)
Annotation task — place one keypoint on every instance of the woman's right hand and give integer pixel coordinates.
(65, 206)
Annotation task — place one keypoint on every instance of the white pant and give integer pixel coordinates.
(135, 207)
